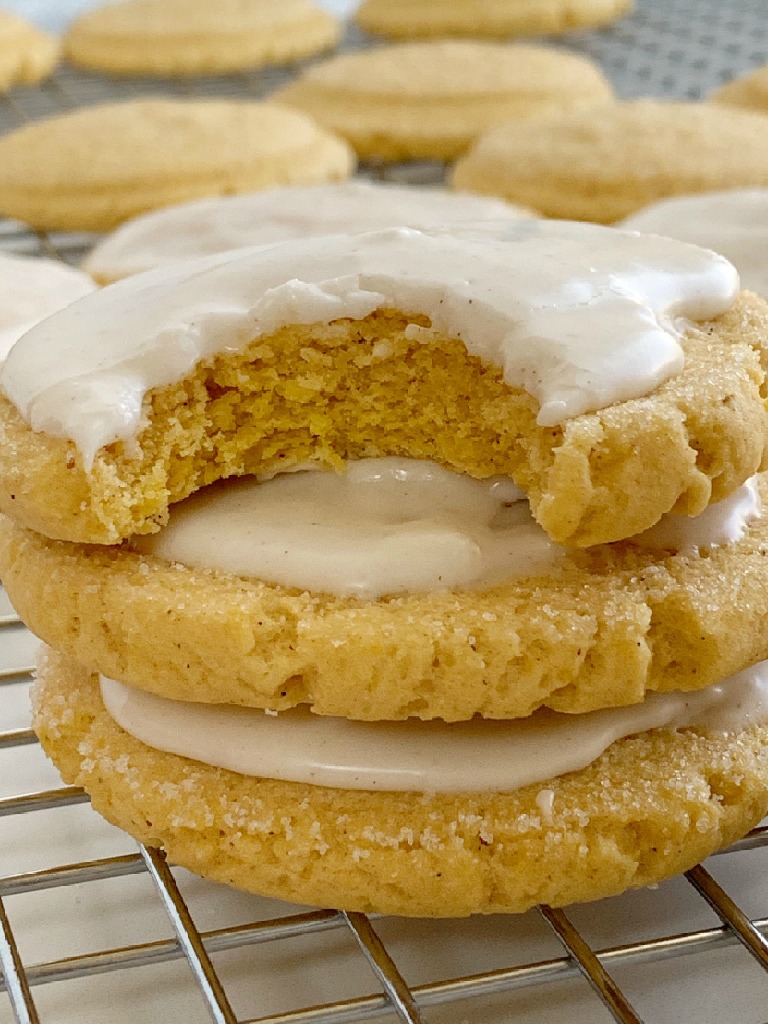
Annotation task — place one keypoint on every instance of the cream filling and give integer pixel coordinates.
(578, 315)
(393, 525)
(411, 756)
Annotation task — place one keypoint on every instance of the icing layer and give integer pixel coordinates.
(298, 746)
(580, 316)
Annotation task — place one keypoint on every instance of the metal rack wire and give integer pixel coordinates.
(670, 47)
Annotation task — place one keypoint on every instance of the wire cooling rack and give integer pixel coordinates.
(92, 929)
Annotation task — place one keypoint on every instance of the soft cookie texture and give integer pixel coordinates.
(604, 628)
(93, 168)
(27, 55)
(404, 19)
(209, 226)
(366, 388)
(603, 164)
(179, 38)
(432, 99)
(652, 805)
(750, 91)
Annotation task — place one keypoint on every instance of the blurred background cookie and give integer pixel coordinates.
(750, 91)
(27, 54)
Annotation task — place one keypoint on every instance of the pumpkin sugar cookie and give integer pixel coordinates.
(388, 344)
(431, 99)
(93, 168)
(624, 814)
(179, 38)
(750, 91)
(606, 163)
(406, 19)
(27, 55)
(208, 226)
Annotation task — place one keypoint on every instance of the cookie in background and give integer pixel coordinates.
(750, 91)
(27, 54)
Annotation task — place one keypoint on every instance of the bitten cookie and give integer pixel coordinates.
(179, 38)
(604, 164)
(526, 365)
(750, 91)
(431, 99)
(650, 806)
(208, 226)
(405, 19)
(32, 289)
(27, 55)
(93, 168)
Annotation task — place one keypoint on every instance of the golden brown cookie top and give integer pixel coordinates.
(750, 91)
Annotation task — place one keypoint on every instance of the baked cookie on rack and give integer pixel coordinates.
(494, 819)
(32, 289)
(603, 164)
(407, 19)
(180, 38)
(333, 349)
(208, 226)
(750, 91)
(93, 168)
(27, 54)
(429, 100)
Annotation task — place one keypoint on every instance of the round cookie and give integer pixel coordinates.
(613, 622)
(604, 164)
(27, 55)
(209, 226)
(93, 168)
(652, 805)
(733, 223)
(179, 38)
(432, 99)
(750, 91)
(270, 357)
(406, 19)
(31, 290)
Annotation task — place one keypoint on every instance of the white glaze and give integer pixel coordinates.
(579, 315)
(30, 290)
(298, 746)
(734, 223)
(385, 526)
(209, 226)
(721, 523)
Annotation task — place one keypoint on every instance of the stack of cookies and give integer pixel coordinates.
(418, 571)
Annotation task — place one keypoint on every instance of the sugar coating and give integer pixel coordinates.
(651, 806)
(429, 100)
(27, 55)
(367, 388)
(180, 38)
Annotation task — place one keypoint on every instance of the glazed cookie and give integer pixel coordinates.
(208, 226)
(604, 164)
(349, 347)
(734, 223)
(27, 55)
(130, 157)
(750, 91)
(649, 806)
(31, 290)
(177, 38)
(678, 608)
(405, 19)
(432, 99)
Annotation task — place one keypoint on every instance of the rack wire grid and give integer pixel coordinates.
(92, 929)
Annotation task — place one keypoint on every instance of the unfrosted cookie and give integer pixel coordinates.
(676, 616)
(27, 55)
(178, 38)
(31, 290)
(604, 164)
(750, 91)
(734, 223)
(650, 806)
(431, 99)
(208, 226)
(93, 168)
(405, 19)
(534, 349)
